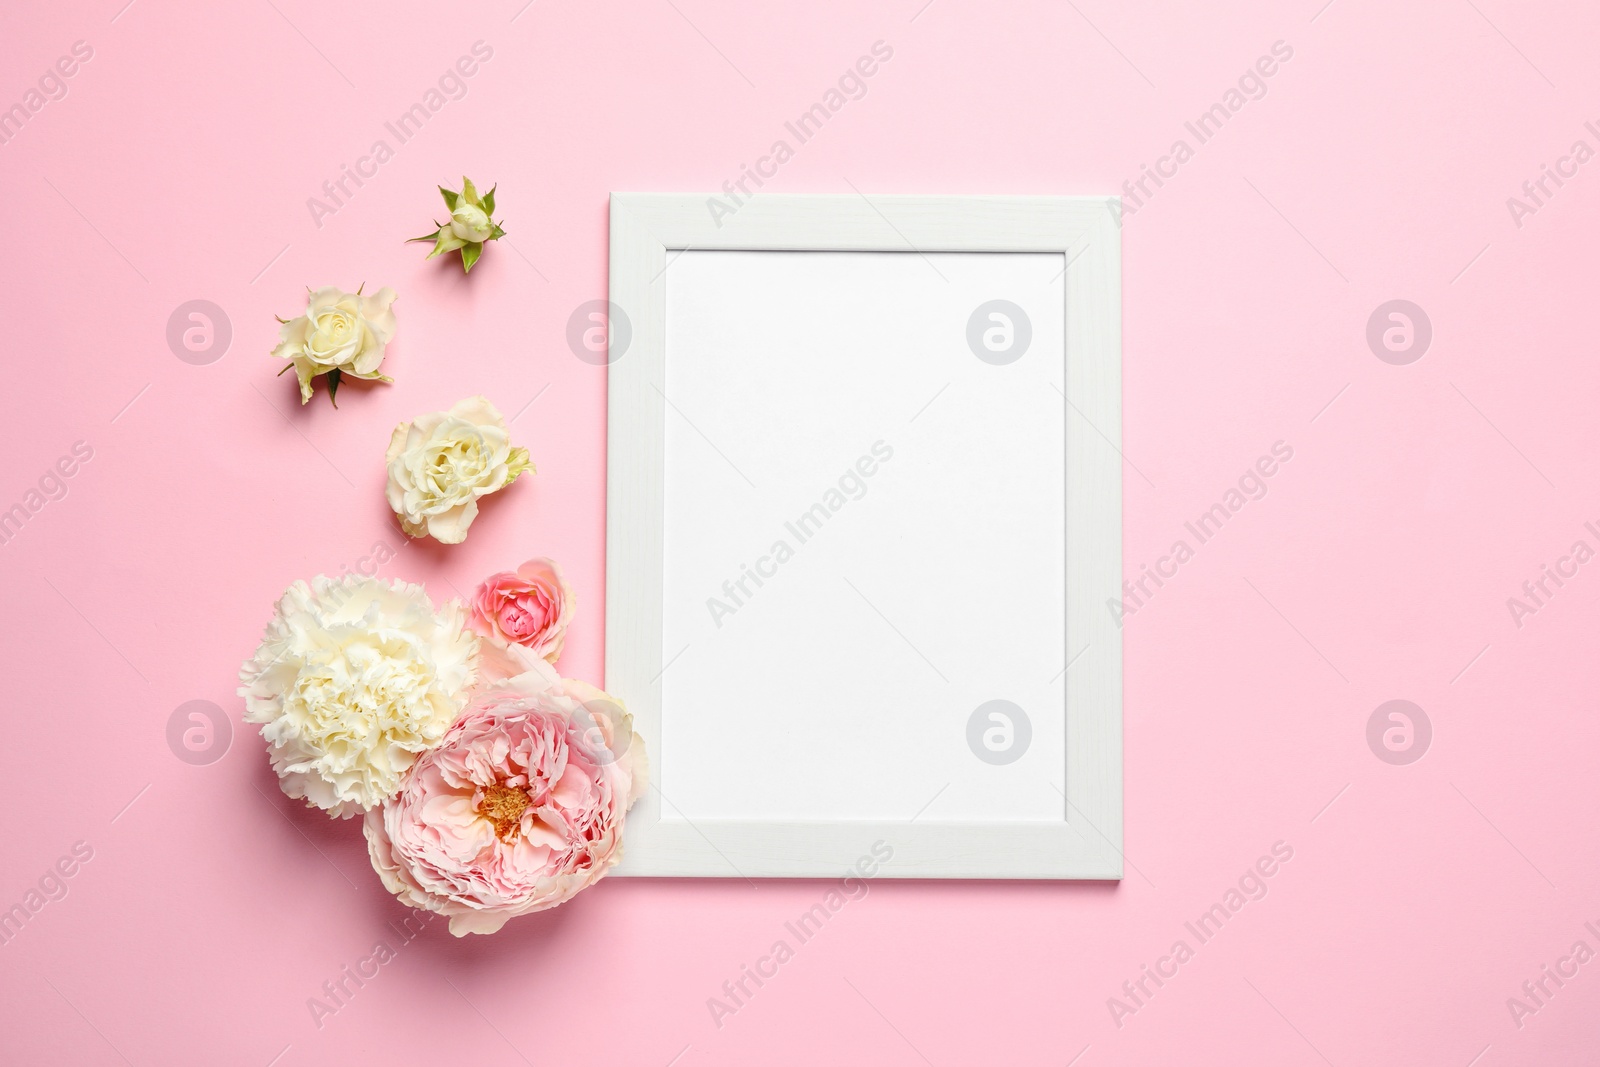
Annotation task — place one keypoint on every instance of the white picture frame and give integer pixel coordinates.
(648, 234)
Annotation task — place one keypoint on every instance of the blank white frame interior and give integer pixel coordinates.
(838, 357)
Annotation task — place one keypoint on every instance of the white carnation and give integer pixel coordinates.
(354, 679)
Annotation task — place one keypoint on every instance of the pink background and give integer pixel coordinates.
(1419, 499)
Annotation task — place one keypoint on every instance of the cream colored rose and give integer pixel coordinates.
(471, 225)
(340, 331)
(355, 678)
(442, 462)
(469, 222)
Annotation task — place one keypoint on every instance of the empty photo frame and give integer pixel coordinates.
(863, 522)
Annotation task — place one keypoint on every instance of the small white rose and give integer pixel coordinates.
(340, 334)
(470, 228)
(441, 463)
(470, 222)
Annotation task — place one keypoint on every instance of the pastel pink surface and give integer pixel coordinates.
(1378, 566)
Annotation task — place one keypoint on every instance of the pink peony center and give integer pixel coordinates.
(503, 806)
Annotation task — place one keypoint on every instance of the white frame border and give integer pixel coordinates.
(645, 229)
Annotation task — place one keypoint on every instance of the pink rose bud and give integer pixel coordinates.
(529, 607)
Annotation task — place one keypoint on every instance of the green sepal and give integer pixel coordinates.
(488, 201)
(443, 241)
(469, 191)
(335, 376)
(469, 255)
(450, 198)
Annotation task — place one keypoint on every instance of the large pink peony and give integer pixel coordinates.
(518, 808)
(530, 607)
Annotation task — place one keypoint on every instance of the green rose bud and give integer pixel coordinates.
(470, 226)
